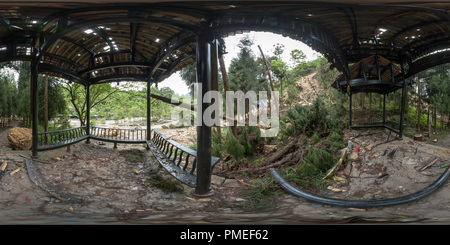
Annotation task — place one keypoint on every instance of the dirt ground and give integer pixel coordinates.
(97, 184)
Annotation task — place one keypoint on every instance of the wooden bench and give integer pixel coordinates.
(178, 160)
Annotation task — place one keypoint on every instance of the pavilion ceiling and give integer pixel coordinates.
(108, 42)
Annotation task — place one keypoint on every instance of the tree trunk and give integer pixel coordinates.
(428, 121)
(226, 86)
(267, 68)
(448, 122)
(435, 119)
(381, 104)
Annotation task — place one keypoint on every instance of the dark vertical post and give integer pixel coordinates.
(204, 78)
(384, 109)
(34, 76)
(88, 112)
(149, 110)
(402, 113)
(350, 111)
(214, 67)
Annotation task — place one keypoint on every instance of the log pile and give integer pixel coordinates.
(20, 138)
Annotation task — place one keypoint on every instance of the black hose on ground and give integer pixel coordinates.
(360, 203)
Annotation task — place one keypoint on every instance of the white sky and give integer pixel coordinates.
(265, 40)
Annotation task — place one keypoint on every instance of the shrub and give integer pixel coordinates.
(307, 118)
(216, 144)
(315, 138)
(335, 140)
(232, 146)
(246, 143)
(249, 138)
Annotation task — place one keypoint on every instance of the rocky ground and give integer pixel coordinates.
(96, 184)
(386, 167)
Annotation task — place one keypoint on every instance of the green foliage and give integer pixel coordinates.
(315, 138)
(438, 88)
(307, 118)
(246, 73)
(56, 101)
(308, 172)
(189, 75)
(413, 118)
(76, 94)
(7, 94)
(321, 159)
(324, 126)
(249, 138)
(260, 194)
(15, 94)
(335, 140)
(216, 144)
(117, 103)
(232, 146)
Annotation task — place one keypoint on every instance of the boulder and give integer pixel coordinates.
(20, 138)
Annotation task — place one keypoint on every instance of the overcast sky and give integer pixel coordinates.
(264, 39)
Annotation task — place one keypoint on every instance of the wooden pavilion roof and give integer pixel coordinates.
(107, 41)
(372, 74)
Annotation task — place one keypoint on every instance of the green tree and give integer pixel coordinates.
(57, 103)
(280, 71)
(15, 94)
(246, 73)
(189, 76)
(438, 89)
(7, 93)
(77, 97)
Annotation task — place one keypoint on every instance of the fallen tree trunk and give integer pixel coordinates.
(184, 105)
(289, 159)
(173, 102)
(282, 152)
(273, 160)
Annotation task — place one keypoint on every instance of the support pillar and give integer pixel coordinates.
(88, 112)
(350, 112)
(149, 112)
(34, 76)
(402, 113)
(384, 109)
(205, 74)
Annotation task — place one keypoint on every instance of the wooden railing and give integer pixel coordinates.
(60, 138)
(119, 135)
(178, 160)
(6, 122)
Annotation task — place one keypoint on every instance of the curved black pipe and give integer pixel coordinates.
(360, 203)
